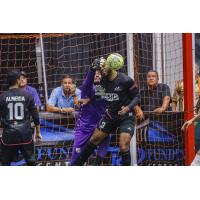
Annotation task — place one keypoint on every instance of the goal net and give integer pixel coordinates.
(160, 140)
(47, 57)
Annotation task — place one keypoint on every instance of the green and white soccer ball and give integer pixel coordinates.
(115, 61)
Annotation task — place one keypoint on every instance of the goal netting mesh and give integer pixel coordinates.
(47, 57)
(159, 137)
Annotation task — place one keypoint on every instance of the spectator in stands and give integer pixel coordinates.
(155, 97)
(63, 99)
(31, 90)
(178, 95)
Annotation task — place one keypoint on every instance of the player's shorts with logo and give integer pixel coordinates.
(125, 124)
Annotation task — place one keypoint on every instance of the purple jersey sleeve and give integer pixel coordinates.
(37, 98)
(87, 89)
(33, 92)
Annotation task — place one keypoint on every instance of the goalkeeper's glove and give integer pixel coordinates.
(98, 63)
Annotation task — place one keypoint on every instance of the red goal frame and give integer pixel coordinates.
(189, 135)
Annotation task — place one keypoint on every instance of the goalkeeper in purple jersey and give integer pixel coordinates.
(90, 113)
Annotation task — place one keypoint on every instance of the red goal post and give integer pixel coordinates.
(188, 96)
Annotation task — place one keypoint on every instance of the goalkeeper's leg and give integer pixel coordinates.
(95, 140)
(105, 127)
(102, 151)
(196, 161)
(80, 141)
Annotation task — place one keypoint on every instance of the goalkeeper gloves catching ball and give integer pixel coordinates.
(98, 63)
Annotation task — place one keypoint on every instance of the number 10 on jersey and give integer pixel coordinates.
(16, 111)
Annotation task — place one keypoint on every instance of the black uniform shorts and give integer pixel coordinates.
(8, 152)
(110, 124)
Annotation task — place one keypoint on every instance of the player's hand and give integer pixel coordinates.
(84, 101)
(68, 110)
(73, 89)
(38, 137)
(139, 114)
(186, 125)
(98, 63)
(124, 110)
(159, 110)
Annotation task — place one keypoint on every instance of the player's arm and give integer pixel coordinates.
(87, 86)
(35, 116)
(134, 93)
(135, 96)
(87, 90)
(189, 122)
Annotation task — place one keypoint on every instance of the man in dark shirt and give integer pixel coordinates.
(16, 107)
(155, 97)
(121, 95)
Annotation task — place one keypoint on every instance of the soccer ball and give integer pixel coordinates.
(115, 61)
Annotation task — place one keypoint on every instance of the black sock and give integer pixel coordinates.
(98, 160)
(89, 149)
(126, 158)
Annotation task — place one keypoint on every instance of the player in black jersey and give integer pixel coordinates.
(122, 95)
(16, 108)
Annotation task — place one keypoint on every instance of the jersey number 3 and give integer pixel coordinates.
(16, 111)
